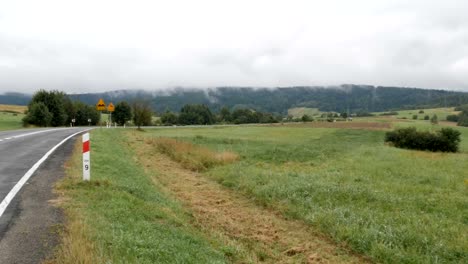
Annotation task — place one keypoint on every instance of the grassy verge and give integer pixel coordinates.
(396, 206)
(121, 216)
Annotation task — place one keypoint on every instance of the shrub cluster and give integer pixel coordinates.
(445, 140)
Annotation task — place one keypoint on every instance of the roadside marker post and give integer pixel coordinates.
(86, 158)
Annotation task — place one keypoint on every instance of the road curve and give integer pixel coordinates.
(19, 151)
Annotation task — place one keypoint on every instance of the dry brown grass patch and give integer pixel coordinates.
(193, 157)
(13, 108)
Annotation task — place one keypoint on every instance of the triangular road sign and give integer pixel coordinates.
(101, 106)
(110, 107)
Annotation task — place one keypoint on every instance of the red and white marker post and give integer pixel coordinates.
(86, 158)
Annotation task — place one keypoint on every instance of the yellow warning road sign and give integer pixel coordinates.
(101, 106)
(110, 107)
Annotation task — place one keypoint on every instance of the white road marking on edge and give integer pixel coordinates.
(32, 133)
(6, 201)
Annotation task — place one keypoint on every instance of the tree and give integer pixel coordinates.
(85, 112)
(244, 116)
(306, 118)
(38, 114)
(193, 114)
(141, 113)
(225, 115)
(434, 120)
(122, 113)
(169, 118)
(462, 118)
(55, 103)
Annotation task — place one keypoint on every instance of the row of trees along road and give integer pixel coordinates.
(54, 108)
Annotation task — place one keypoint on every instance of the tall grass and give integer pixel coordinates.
(191, 156)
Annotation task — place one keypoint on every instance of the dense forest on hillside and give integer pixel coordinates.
(353, 98)
(15, 98)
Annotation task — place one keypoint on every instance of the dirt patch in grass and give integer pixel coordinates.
(348, 125)
(448, 123)
(250, 233)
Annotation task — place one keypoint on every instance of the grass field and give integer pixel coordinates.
(292, 193)
(393, 205)
(440, 112)
(11, 116)
(298, 112)
(10, 121)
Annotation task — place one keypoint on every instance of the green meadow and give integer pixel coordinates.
(393, 205)
(9, 121)
(441, 113)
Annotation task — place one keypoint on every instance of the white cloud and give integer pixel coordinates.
(86, 45)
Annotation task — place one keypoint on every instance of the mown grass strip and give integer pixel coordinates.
(121, 216)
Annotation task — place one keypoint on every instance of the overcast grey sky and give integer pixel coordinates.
(86, 46)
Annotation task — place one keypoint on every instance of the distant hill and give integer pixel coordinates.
(11, 98)
(355, 98)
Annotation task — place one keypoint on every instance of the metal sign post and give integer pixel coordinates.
(100, 106)
(110, 109)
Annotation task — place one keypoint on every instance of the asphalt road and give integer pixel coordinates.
(26, 221)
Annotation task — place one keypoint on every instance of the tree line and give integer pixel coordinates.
(55, 108)
(200, 114)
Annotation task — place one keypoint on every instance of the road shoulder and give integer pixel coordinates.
(36, 222)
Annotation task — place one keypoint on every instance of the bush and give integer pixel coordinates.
(452, 118)
(426, 117)
(445, 140)
(306, 118)
(421, 111)
(463, 120)
(434, 120)
(415, 117)
(38, 115)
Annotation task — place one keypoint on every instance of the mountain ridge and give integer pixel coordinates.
(342, 98)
